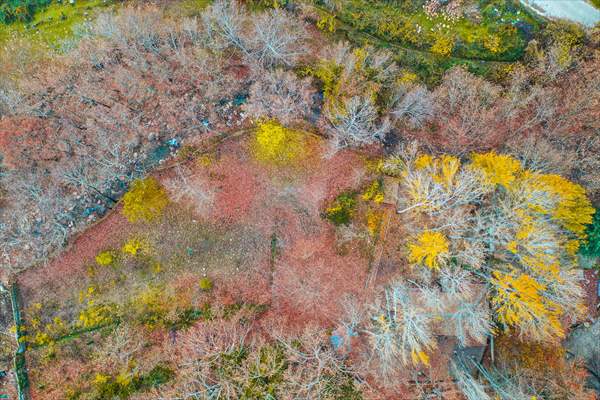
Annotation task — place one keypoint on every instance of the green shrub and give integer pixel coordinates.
(591, 248)
(157, 376)
(342, 210)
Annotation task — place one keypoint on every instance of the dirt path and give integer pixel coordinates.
(575, 10)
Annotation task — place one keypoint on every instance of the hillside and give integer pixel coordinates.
(338, 199)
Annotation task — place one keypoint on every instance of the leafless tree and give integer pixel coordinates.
(277, 39)
(400, 329)
(357, 124)
(280, 95)
(416, 107)
(468, 384)
(224, 25)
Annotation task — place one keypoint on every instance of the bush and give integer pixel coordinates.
(134, 247)
(276, 144)
(591, 247)
(145, 200)
(342, 210)
(157, 376)
(205, 284)
(105, 257)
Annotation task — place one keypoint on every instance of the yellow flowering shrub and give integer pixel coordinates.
(374, 192)
(145, 200)
(443, 45)
(326, 23)
(274, 143)
(95, 315)
(423, 161)
(431, 249)
(374, 222)
(521, 230)
(134, 247)
(493, 43)
(205, 284)
(105, 258)
(498, 169)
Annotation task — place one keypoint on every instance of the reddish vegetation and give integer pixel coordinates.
(65, 267)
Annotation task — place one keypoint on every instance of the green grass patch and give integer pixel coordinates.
(50, 26)
(486, 44)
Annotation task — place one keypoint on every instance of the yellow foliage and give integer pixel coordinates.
(374, 192)
(105, 258)
(205, 161)
(134, 246)
(431, 249)
(275, 143)
(374, 222)
(443, 169)
(519, 301)
(492, 43)
(124, 379)
(574, 210)
(419, 357)
(95, 315)
(326, 23)
(498, 169)
(447, 168)
(100, 379)
(145, 200)
(423, 161)
(443, 45)
(572, 247)
(361, 55)
(407, 77)
(329, 73)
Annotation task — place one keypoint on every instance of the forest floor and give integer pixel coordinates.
(264, 241)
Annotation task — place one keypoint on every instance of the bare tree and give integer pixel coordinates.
(468, 384)
(400, 329)
(280, 95)
(277, 39)
(357, 124)
(224, 25)
(416, 107)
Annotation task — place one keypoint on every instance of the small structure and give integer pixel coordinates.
(390, 190)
